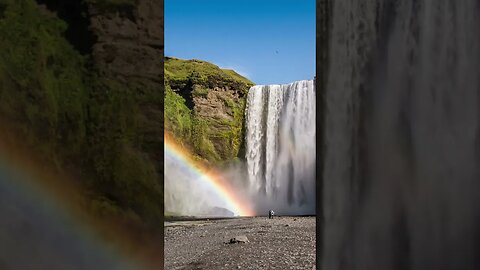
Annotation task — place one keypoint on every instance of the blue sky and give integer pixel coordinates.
(268, 41)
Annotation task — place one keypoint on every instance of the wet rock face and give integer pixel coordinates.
(129, 40)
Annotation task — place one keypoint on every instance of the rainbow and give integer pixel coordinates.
(209, 177)
(34, 212)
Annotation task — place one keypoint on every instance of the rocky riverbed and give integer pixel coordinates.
(279, 243)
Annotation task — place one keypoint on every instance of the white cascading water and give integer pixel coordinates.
(280, 147)
(401, 183)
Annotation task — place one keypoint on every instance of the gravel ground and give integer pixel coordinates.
(279, 243)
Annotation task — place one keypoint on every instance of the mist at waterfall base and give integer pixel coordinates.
(185, 195)
(401, 183)
(278, 172)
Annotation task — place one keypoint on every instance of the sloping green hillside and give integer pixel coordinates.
(204, 108)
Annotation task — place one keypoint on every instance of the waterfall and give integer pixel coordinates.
(401, 187)
(280, 147)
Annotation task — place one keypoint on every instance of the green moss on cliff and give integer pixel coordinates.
(194, 87)
(178, 118)
(42, 85)
(233, 137)
(126, 173)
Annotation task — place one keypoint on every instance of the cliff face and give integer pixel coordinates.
(212, 102)
(129, 51)
(127, 64)
(129, 40)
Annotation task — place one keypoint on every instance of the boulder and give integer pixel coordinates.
(239, 239)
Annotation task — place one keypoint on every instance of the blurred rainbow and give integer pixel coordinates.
(209, 177)
(45, 216)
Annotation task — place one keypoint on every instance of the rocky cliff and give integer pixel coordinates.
(129, 39)
(205, 108)
(127, 55)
